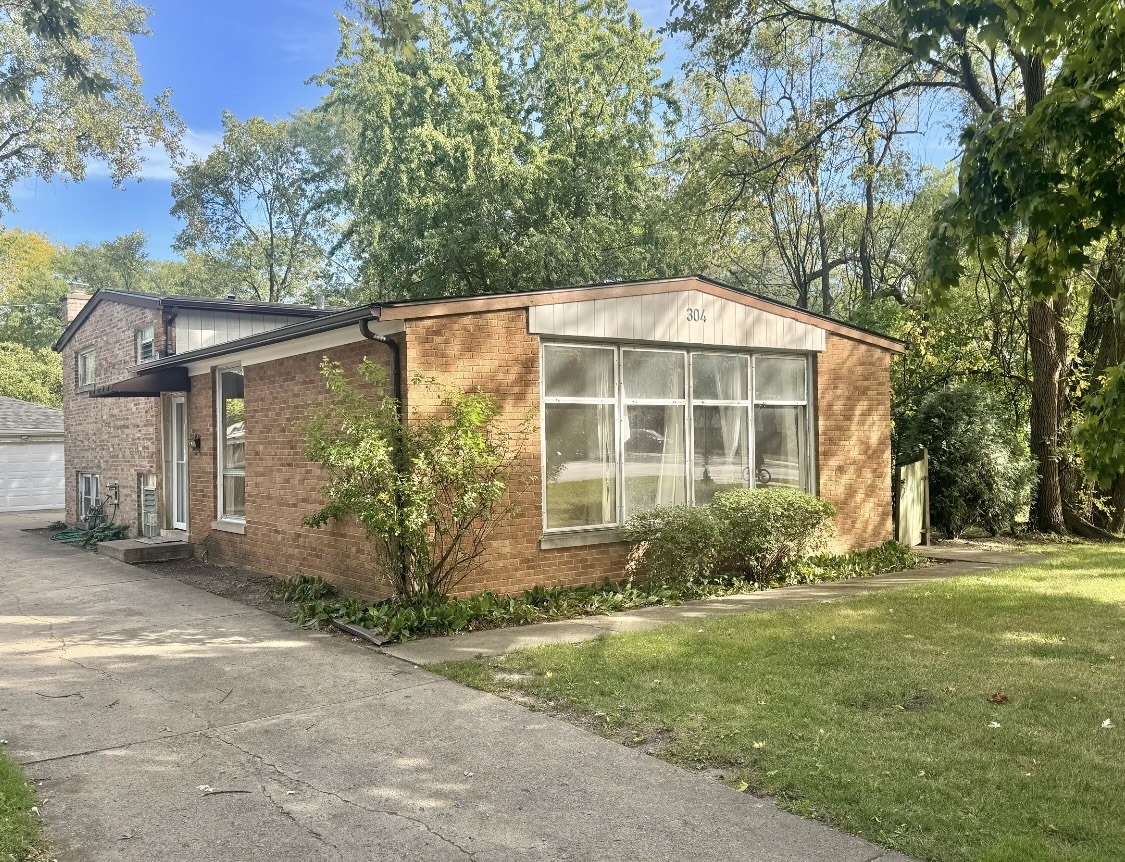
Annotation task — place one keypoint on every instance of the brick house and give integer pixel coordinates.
(648, 393)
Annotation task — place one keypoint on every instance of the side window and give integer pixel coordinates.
(88, 490)
(781, 421)
(145, 340)
(232, 444)
(85, 369)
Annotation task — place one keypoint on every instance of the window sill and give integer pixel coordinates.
(580, 538)
(224, 526)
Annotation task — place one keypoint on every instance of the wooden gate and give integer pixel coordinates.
(913, 527)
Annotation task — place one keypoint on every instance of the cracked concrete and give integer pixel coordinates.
(125, 693)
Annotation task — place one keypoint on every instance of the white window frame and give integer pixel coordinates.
(145, 335)
(808, 468)
(221, 470)
(86, 501)
(84, 368)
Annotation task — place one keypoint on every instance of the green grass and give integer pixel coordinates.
(21, 837)
(876, 714)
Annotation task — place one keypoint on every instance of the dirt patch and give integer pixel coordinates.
(230, 582)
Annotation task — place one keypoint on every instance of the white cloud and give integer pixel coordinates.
(156, 164)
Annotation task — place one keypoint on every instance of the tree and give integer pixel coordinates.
(427, 491)
(30, 375)
(265, 206)
(29, 290)
(513, 148)
(74, 92)
(118, 264)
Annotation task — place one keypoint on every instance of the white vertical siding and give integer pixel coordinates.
(196, 328)
(675, 318)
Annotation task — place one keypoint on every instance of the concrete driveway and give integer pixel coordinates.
(169, 724)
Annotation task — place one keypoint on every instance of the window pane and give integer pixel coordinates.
(718, 378)
(234, 496)
(577, 372)
(234, 424)
(779, 446)
(581, 465)
(655, 457)
(652, 374)
(722, 454)
(778, 378)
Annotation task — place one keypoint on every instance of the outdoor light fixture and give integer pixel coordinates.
(195, 441)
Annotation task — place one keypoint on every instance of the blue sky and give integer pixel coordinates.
(250, 57)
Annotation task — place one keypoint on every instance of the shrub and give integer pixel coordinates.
(674, 544)
(428, 491)
(765, 531)
(980, 470)
(306, 589)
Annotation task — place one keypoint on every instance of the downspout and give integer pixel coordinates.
(169, 319)
(396, 363)
(396, 389)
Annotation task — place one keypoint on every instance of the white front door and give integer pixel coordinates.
(176, 478)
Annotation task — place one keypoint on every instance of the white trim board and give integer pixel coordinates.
(294, 347)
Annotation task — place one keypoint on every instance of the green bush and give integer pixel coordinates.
(304, 588)
(764, 532)
(980, 470)
(674, 544)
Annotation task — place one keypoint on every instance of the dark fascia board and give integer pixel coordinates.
(244, 307)
(324, 323)
(151, 300)
(146, 300)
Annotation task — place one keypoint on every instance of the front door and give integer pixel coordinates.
(175, 480)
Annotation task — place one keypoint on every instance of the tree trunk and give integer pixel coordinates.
(866, 237)
(1047, 367)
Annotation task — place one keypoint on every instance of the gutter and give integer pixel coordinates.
(396, 360)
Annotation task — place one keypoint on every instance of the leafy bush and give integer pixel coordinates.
(980, 470)
(306, 589)
(428, 491)
(765, 531)
(674, 544)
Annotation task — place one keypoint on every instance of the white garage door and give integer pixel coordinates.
(31, 476)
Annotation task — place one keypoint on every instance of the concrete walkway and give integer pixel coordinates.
(954, 562)
(164, 723)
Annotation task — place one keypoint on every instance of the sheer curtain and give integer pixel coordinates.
(730, 384)
(671, 485)
(606, 448)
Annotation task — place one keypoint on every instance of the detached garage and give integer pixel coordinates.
(31, 456)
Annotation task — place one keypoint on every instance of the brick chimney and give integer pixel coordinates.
(72, 303)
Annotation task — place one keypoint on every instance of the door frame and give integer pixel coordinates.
(171, 487)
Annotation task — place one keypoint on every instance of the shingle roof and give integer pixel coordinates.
(18, 416)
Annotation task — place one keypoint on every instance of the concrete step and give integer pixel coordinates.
(134, 551)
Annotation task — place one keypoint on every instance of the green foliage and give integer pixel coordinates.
(764, 531)
(1099, 434)
(30, 375)
(675, 544)
(980, 471)
(434, 615)
(304, 588)
(511, 149)
(744, 535)
(428, 491)
(77, 93)
(21, 835)
(264, 206)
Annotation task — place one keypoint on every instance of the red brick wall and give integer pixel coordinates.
(854, 425)
(496, 353)
(282, 487)
(117, 438)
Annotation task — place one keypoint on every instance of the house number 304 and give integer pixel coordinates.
(697, 315)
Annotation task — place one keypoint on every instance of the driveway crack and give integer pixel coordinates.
(468, 854)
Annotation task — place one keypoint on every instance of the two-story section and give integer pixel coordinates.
(124, 447)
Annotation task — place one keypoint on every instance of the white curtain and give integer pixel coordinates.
(671, 486)
(606, 449)
(730, 378)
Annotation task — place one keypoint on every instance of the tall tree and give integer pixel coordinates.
(512, 147)
(72, 92)
(118, 264)
(265, 206)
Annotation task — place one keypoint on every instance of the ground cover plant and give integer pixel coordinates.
(21, 838)
(402, 620)
(978, 718)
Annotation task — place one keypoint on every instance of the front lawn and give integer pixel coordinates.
(20, 835)
(980, 718)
